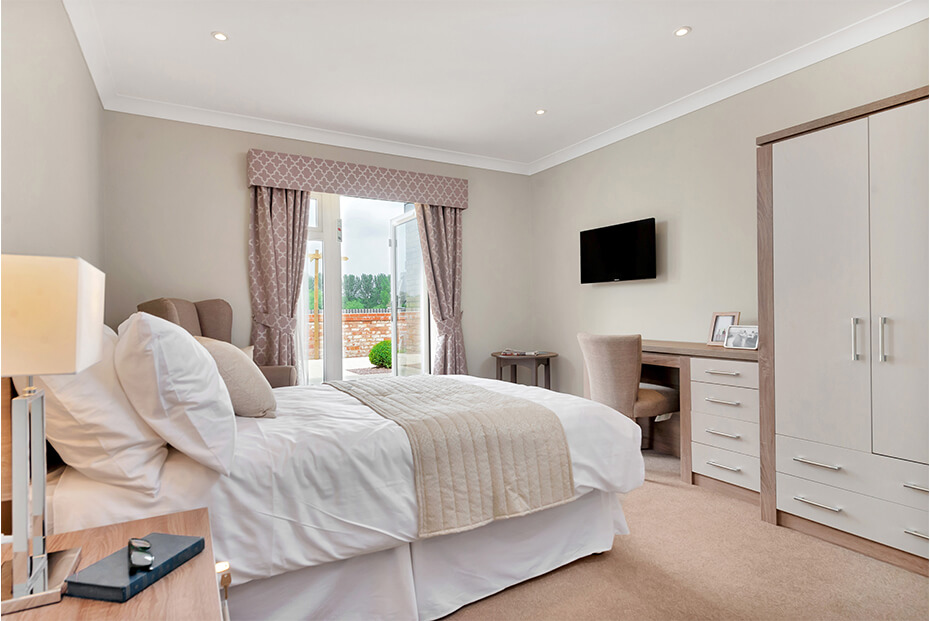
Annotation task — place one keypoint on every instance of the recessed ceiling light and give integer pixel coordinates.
(682, 31)
(219, 36)
(540, 112)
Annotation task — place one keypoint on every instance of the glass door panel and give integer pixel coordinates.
(409, 308)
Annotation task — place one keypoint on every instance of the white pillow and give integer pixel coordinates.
(249, 391)
(174, 385)
(95, 429)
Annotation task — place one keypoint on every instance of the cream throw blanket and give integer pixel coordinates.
(478, 455)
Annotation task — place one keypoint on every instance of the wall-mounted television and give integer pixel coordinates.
(620, 252)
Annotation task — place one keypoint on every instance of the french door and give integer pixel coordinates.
(410, 322)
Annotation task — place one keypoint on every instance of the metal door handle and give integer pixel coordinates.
(854, 321)
(817, 504)
(730, 373)
(881, 339)
(917, 487)
(916, 533)
(723, 401)
(816, 463)
(724, 466)
(735, 436)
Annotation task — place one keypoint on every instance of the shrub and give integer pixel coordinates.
(380, 354)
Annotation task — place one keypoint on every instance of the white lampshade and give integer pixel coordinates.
(52, 313)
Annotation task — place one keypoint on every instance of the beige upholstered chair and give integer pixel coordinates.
(212, 319)
(614, 366)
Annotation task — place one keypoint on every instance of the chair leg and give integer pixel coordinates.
(647, 436)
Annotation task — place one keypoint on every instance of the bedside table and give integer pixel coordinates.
(188, 592)
(531, 361)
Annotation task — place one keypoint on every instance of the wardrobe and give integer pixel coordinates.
(843, 296)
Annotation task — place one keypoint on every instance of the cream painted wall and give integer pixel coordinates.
(176, 215)
(696, 176)
(52, 124)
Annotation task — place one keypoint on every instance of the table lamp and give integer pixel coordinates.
(52, 323)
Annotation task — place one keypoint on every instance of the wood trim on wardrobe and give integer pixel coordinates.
(847, 115)
(766, 334)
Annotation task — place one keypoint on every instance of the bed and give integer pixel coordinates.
(318, 516)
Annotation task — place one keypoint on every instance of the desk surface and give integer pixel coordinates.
(188, 592)
(698, 350)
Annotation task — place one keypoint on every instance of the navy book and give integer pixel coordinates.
(110, 580)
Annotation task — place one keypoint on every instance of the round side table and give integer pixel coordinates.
(532, 361)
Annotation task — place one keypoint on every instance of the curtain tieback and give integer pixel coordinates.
(275, 322)
(448, 326)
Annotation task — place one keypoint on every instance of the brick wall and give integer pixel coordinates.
(362, 331)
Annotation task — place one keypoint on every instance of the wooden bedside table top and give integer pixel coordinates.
(188, 592)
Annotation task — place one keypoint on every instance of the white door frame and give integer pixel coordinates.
(425, 340)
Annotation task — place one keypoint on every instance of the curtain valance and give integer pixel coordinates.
(299, 172)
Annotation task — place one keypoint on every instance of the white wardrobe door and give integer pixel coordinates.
(821, 279)
(899, 221)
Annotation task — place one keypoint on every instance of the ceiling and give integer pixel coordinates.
(457, 81)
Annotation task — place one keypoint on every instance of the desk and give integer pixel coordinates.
(677, 354)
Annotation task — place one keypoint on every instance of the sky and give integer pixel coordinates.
(365, 233)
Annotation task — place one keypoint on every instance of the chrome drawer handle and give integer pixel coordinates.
(917, 487)
(916, 533)
(721, 401)
(724, 466)
(735, 436)
(715, 372)
(882, 357)
(854, 321)
(817, 504)
(816, 463)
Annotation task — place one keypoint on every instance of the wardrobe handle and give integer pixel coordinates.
(714, 372)
(815, 463)
(735, 436)
(854, 321)
(916, 533)
(917, 487)
(723, 401)
(725, 467)
(881, 339)
(817, 504)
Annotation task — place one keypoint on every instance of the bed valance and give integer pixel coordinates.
(313, 174)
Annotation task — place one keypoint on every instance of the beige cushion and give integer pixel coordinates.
(655, 400)
(249, 351)
(249, 390)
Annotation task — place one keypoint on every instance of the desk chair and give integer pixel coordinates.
(614, 367)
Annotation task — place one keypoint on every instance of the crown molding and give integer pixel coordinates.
(874, 27)
(84, 22)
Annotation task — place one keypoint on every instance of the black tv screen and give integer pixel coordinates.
(620, 252)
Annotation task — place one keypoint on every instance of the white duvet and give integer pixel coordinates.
(330, 479)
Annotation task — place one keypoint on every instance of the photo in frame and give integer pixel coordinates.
(719, 325)
(742, 337)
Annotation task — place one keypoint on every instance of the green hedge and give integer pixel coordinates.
(380, 354)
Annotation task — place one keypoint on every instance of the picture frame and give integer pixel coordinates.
(718, 327)
(742, 337)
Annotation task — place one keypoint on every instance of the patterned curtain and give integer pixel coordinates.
(441, 244)
(277, 246)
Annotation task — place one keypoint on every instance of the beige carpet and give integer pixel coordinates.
(697, 554)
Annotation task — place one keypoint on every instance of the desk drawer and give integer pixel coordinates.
(883, 477)
(871, 518)
(723, 465)
(727, 372)
(727, 401)
(719, 431)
